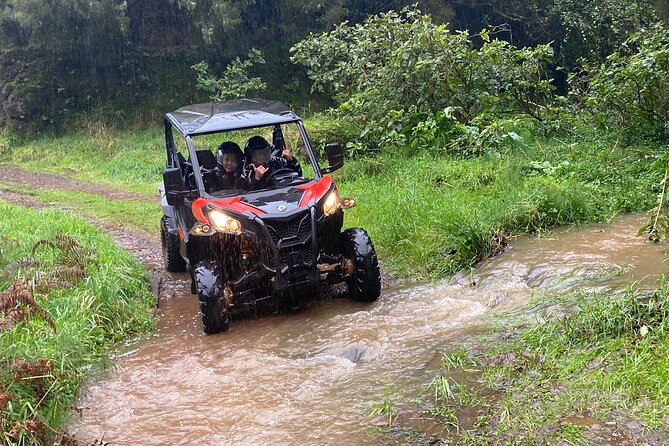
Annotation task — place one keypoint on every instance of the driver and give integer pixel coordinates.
(260, 162)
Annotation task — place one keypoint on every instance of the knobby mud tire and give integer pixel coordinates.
(174, 263)
(209, 284)
(365, 284)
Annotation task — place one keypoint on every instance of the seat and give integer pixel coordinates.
(206, 158)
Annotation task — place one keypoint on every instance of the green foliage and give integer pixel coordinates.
(124, 60)
(593, 30)
(442, 132)
(623, 333)
(632, 86)
(428, 213)
(624, 316)
(406, 77)
(590, 30)
(112, 301)
(431, 215)
(235, 82)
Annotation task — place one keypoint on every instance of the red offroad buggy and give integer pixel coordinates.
(243, 246)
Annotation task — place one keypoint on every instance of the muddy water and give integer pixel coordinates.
(309, 378)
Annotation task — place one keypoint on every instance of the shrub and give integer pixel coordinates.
(632, 86)
(403, 75)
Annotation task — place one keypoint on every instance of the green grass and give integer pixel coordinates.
(429, 214)
(143, 215)
(607, 360)
(109, 302)
(126, 160)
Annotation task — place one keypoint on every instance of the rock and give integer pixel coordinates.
(497, 299)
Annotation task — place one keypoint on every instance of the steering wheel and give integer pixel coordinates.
(271, 178)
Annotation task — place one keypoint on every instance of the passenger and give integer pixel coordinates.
(261, 163)
(228, 171)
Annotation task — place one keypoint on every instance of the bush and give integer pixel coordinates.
(235, 82)
(402, 75)
(632, 86)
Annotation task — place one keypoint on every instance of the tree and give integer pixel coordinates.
(395, 70)
(235, 82)
(589, 29)
(632, 85)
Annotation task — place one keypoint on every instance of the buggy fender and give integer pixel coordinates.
(168, 210)
(313, 191)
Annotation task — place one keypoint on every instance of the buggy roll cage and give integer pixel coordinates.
(210, 118)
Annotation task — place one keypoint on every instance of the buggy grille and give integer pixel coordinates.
(293, 240)
(297, 229)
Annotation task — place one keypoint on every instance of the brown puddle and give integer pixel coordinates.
(310, 377)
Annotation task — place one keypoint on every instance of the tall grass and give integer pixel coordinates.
(432, 214)
(41, 368)
(604, 361)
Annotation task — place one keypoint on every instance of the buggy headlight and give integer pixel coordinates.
(331, 203)
(224, 223)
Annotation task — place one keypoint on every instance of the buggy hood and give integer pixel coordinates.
(269, 202)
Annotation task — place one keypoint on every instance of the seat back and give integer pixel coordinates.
(206, 158)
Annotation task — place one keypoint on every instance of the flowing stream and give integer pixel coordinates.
(310, 377)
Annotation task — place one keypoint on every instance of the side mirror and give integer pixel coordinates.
(335, 155)
(174, 186)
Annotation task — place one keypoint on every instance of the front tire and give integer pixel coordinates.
(209, 284)
(364, 284)
(172, 259)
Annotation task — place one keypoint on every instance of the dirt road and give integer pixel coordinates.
(311, 377)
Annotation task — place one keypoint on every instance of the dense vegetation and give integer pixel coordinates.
(68, 292)
(127, 62)
(429, 213)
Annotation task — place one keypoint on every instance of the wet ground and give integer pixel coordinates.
(311, 376)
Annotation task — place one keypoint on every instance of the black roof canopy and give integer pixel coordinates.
(211, 117)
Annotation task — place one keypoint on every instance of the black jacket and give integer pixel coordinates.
(218, 179)
(273, 165)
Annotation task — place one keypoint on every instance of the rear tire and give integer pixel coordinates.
(209, 284)
(172, 259)
(364, 284)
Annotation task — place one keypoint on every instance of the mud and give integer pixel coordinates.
(311, 377)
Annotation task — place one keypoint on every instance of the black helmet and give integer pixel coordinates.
(229, 147)
(260, 147)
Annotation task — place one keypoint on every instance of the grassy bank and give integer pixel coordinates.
(598, 368)
(433, 215)
(136, 214)
(126, 160)
(67, 292)
(429, 214)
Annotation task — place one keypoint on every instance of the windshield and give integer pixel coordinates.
(238, 162)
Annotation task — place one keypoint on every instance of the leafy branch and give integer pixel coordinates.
(235, 82)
